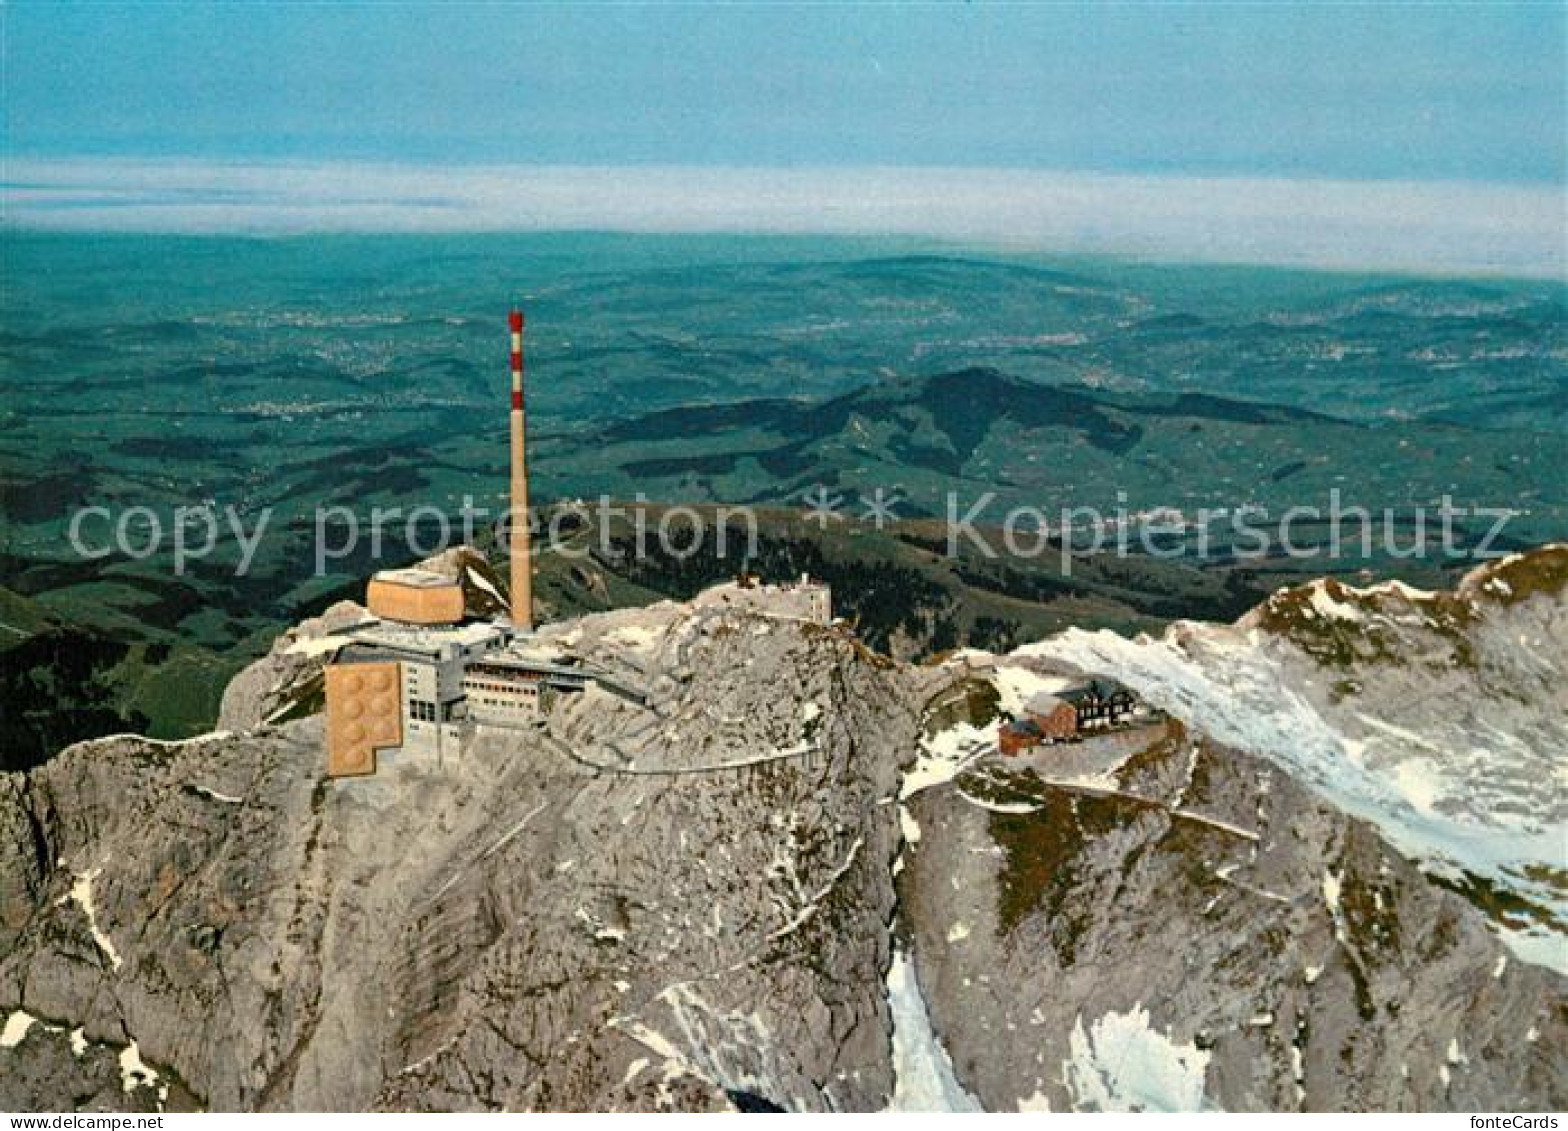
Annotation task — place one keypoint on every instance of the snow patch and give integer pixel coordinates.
(16, 1029)
(482, 582)
(315, 646)
(1331, 893)
(943, 755)
(1016, 685)
(1397, 589)
(735, 1050)
(82, 894)
(221, 798)
(923, 1079)
(1009, 807)
(1122, 1064)
(1415, 781)
(134, 1072)
(1326, 606)
(1036, 1102)
(814, 902)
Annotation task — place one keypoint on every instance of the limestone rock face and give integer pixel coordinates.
(482, 585)
(1196, 928)
(690, 908)
(697, 905)
(287, 682)
(1439, 717)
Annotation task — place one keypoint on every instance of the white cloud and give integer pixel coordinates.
(1388, 225)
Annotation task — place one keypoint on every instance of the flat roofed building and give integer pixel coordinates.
(432, 642)
(807, 599)
(415, 596)
(428, 664)
(435, 683)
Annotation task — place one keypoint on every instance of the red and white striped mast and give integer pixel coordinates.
(522, 581)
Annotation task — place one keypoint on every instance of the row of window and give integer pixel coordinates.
(485, 685)
(424, 711)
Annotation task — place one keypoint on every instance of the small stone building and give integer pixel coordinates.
(806, 599)
(1047, 718)
(1096, 705)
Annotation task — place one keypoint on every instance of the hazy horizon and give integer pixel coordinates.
(1353, 136)
(1405, 226)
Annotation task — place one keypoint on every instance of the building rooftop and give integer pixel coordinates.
(1043, 703)
(419, 638)
(529, 664)
(526, 649)
(1094, 690)
(414, 578)
(752, 581)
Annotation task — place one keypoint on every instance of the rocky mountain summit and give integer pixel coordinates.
(1441, 717)
(801, 878)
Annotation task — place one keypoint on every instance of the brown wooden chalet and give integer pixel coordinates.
(1096, 705)
(1099, 703)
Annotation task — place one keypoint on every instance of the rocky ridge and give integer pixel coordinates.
(797, 880)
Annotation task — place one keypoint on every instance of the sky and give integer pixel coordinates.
(1424, 95)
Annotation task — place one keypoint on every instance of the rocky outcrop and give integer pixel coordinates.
(287, 682)
(1438, 717)
(689, 910)
(483, 588)
(708, 902)
(1196, 930)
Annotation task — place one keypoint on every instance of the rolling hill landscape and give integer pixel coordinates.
(294, 374)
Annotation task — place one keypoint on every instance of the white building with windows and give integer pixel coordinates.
(806, 599)
(431, 663)
(452, 680)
